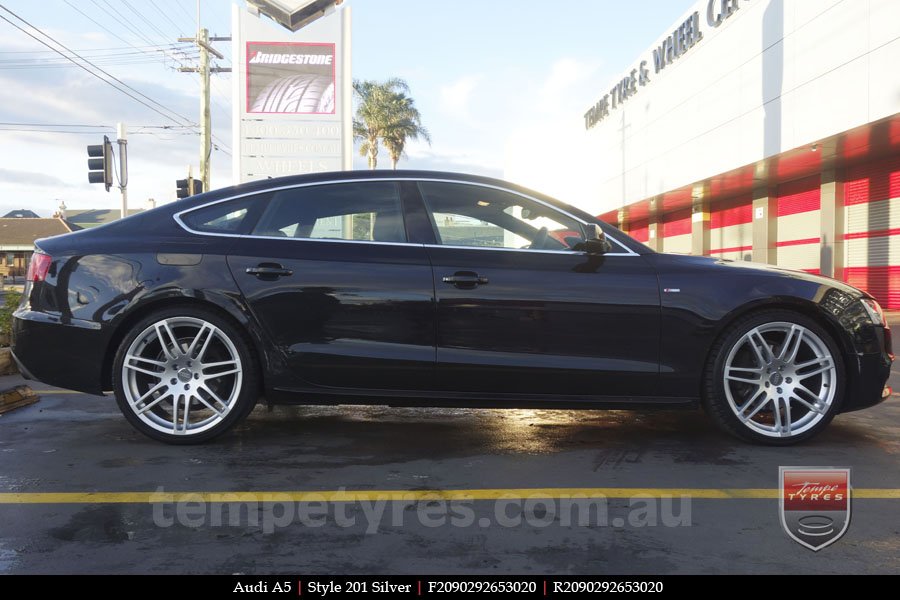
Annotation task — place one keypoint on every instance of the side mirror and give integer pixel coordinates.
(596, 242)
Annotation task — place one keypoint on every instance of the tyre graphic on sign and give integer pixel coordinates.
(290, 78)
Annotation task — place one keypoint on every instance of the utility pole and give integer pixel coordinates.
(203, 43)
(122, 140)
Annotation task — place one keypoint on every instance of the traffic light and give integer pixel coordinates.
(188, 187)
(100, 167)
(183, 187)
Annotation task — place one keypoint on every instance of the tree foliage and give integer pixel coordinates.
(385, 115)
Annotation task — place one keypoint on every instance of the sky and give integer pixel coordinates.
(502, 87)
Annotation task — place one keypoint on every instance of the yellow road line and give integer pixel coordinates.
(408, 495)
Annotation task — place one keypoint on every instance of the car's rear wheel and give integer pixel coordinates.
(184, 375)
(775, 377)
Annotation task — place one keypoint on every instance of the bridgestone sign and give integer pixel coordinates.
(291, 97)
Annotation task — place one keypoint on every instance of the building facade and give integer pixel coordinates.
(17, 237)
(764, 130)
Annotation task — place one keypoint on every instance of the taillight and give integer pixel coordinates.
(38, 267)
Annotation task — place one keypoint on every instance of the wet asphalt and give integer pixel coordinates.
(77, 443)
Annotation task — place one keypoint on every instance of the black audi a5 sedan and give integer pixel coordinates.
(422, 288)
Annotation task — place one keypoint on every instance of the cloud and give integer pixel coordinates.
(12, 176)
(420, 156)
(456, 98)
(565, 84)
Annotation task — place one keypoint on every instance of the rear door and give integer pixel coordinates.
(330, 274)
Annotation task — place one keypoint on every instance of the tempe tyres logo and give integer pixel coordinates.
(814, 504)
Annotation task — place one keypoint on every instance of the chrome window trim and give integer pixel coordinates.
(177, 216)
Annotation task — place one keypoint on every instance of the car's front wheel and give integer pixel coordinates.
(775, 377)
(184, 375)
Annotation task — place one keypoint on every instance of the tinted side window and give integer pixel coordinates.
(235, 217)
(362, 211)
(471, 215)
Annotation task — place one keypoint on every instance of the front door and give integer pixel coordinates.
(520, 311)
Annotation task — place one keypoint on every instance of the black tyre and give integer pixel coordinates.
(306, 94)
(774, 377)
(184, 375)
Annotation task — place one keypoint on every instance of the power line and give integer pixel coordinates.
(172, 45)
(113, 33)
(107, 29)
(133, 97)
(82, 125)
(167, 17)
(49, 131)
(144, 19)
(186, 13)
(58, 125)
(123, 21)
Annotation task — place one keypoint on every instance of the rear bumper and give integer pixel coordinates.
(67, 355)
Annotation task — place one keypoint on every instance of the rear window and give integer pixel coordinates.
(236, 216)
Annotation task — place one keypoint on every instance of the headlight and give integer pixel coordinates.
(874, 310)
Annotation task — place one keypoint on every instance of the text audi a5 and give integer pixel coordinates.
(421, 288)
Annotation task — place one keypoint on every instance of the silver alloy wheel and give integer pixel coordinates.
(780, 379)
(182, 375)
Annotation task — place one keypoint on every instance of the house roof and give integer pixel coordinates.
(22, 213)
(20, 234)
(91, 217)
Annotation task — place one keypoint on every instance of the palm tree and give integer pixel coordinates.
(371, 113)
(404, 123)
(386, 114)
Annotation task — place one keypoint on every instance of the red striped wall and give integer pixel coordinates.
(872, 183)
(677, 223)
(872, 201)
(881, 282)
(640, 230)
(802, 195)
(736, 211)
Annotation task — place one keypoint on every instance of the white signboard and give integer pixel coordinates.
(291, 97)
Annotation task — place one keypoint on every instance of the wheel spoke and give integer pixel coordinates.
(825, 365)
(735, 374)
(187, 413)
(203, 348)
(760, 347)
(154, 403)
(149, 361)
(777, 414)
(156, 374)
(806, 404)
(206, 328)
(213, 395)
(221, 363)
(149, 393)
(759, 400)
(222, 373)
(170, 345)
(791, 345)
(208, 405)
(786, 423)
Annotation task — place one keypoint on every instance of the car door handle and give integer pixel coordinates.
(269, 271)
(465, 279)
